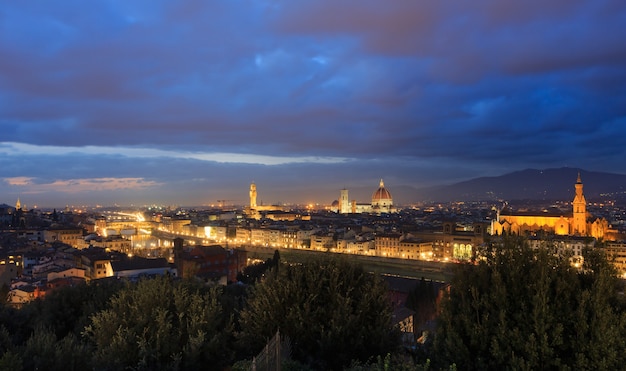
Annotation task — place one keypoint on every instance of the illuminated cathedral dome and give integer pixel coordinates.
(381, 197)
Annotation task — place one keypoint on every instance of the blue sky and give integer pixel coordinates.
(187, 102)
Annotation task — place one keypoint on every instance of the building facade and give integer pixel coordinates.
(382, 202)
(577, 223)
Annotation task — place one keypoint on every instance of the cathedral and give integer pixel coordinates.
(578, 223)
(382, 202)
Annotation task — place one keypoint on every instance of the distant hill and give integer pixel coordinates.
(529, 184)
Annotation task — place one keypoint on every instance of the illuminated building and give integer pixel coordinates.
(382, 202)
(68, 236)
(113, 242)
(322, 241)
(96, 262)
(253, 196)
(255, 210)
(616, 252)
(344, 202)
(396, 245)
(381, 199)
(579, 222)
(17, 297)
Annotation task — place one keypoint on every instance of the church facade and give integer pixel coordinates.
(577, 223)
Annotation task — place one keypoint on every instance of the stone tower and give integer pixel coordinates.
(253, 195)
(344, 202)
(579, 219)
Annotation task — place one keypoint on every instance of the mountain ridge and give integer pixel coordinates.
(531, 184)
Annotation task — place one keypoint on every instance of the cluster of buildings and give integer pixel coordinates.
(40, 258)
(339, 234)
(32, 273)
(367, 233)
(57, 249)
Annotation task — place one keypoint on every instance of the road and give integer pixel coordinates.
(436, 271)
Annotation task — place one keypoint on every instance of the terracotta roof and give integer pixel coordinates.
(381, 193)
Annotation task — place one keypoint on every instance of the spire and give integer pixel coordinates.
(18, 205)
(579, 180)
(382, 184)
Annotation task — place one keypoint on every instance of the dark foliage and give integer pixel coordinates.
(516, 308)
(254, 273)
(530, 309)
(332, 310)
(423, 300)
(158, 324)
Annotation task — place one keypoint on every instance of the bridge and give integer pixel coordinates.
(128, 226)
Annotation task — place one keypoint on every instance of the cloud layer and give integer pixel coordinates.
(348, 92)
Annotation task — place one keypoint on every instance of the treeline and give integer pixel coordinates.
(526, 309)
(515, 308)
(334, 313)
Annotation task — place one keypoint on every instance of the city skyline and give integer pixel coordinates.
(187, 103)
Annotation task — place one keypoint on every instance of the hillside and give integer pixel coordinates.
(532, 184)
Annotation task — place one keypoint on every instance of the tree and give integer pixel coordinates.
(422, 299)
(530, 309)
(9, 358)
(10, 361)
(43, 351)
(158, 324)
(601, 315)
(275, 259)
(255, 272)
(332, 311)
(67, 309)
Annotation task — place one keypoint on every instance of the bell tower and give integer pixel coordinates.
(344, 202)
(579, 220)
(253, 195)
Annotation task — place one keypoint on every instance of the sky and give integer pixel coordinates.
(188, 102)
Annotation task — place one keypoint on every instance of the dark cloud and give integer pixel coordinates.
(440, 87)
